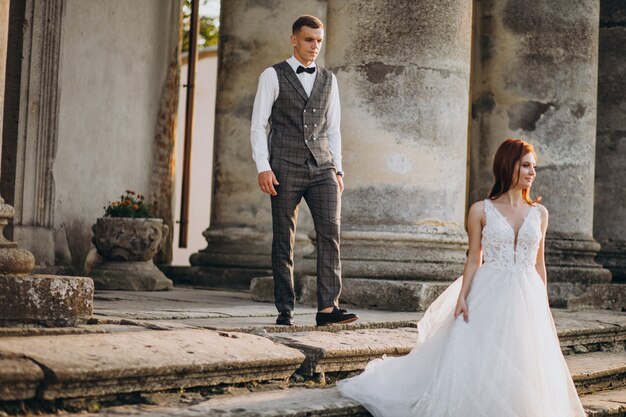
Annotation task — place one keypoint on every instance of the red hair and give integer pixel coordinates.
(508, 154)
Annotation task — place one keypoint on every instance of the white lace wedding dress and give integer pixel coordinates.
(505, 362)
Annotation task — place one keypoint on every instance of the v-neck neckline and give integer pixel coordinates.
(515, 233)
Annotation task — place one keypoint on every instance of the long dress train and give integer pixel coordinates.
(505, 362)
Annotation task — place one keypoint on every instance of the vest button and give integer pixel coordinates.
(305, 110)
(314, 125)
(313, 110)
(305, 126)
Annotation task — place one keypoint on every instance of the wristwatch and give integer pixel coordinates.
(340, 173)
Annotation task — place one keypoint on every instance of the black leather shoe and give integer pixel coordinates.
(337, 316)
(285, 319)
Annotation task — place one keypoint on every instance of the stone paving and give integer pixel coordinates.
(212, 309)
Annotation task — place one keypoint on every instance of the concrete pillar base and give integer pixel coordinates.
(242, 248)
(379, 294)
(417, 295)
(613, 257)
(262, 288)
(428, 253)
(577, 296)
(49, 300)
(130, 276)
(214, 276)
(572, 259)
(358, 292)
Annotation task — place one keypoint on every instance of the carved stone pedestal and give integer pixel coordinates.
(128, 246)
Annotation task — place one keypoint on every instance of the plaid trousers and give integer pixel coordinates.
(320, 189)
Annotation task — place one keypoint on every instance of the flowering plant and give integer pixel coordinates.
(130, 205)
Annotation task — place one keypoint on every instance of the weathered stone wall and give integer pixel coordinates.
(610, 199)
(114, 63)
(535, 78)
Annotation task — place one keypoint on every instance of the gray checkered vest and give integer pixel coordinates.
(298, 122)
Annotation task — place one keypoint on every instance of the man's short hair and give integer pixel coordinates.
(306, 20)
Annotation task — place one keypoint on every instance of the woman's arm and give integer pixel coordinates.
(541, 263)
(474, 255)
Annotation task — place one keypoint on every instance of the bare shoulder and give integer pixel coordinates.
(476, 210)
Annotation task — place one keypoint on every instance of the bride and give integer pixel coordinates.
(487, 347)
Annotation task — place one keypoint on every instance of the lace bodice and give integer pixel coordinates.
(498, 240)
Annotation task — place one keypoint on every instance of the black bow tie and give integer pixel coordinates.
(310, 70)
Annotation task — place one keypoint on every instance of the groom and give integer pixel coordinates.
(296, 146)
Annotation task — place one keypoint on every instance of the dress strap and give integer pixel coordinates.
(535, 208)
(488, 208)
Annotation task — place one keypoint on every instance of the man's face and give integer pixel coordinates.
(307, 44)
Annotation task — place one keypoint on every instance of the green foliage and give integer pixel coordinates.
(130, 204)
(208, 31)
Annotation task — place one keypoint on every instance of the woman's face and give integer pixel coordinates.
(525, 173)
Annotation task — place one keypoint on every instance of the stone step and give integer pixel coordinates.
(405, 295)
(590, 331)
(598, 371)
(70, 366)
(327, 402)
(393, 295)
(348, 350)
(351, 350)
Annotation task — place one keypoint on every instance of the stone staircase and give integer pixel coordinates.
(104, 362)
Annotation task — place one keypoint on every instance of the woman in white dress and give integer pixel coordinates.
(487, 347)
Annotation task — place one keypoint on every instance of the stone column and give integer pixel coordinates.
(253, 36)
(536, 67)
(403, 70)
(610, 201)
(38, 130)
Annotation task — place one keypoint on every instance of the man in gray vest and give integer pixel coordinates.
(296, 145)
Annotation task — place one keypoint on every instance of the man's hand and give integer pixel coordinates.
(267, 181)
(340, 181)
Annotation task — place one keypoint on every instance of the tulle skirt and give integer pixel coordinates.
(505, 362)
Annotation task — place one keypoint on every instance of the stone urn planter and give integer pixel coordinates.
(128, 246)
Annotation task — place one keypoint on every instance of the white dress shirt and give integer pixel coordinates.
(266, 95)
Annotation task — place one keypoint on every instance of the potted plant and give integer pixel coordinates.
(127, 237)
